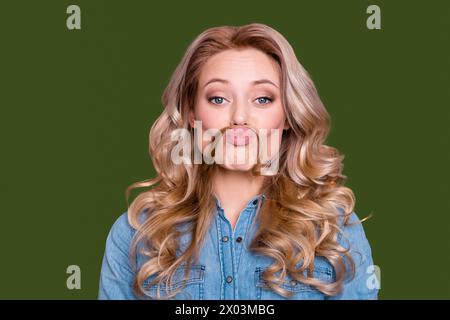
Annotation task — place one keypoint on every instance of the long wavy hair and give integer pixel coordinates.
(300, 218)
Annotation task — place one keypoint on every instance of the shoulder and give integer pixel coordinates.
(351, 233)
(363, 284)
(122, 232)
(117, 272)
(353, 237)
(121, 227)
(122, 223)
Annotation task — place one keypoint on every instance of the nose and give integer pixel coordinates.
(239, 116)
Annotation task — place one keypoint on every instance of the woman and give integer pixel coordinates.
(278, 223)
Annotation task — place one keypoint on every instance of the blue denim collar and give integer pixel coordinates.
(252, 203)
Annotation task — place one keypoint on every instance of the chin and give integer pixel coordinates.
(237, 167)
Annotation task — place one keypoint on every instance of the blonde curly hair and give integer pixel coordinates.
(300, 218)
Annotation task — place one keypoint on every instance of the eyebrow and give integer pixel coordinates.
(256, 82)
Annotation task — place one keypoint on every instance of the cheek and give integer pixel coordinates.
(211, 118)
(272, 118)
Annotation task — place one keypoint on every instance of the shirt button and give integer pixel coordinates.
(255, 202)
(238, 239)
(229, 279)
(293, 282)
(225, 238)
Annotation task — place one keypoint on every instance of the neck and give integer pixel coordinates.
(235, 188)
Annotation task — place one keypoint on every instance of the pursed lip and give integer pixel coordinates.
(238, 135)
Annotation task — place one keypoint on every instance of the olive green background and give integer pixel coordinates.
(77, 106)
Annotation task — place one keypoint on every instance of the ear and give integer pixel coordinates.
(286, 125)
(191, 118)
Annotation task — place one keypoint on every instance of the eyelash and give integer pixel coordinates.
(270, 100)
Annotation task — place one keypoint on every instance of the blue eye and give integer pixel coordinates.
(216, 100)
(264, 100)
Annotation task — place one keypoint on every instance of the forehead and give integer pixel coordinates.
(240, 66)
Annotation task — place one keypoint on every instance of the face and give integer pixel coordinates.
(240, 88)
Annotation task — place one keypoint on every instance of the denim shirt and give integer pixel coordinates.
(228, 270)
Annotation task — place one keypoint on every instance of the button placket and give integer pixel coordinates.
(231, 253)
(226, 244)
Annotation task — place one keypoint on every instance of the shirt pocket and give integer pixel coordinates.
(193, 284)
(300, 290)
